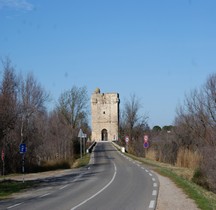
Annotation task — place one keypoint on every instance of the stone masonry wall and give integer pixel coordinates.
(105, 115)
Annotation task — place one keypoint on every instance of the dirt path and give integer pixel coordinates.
(172, 198)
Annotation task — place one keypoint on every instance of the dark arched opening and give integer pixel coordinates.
(104, 135)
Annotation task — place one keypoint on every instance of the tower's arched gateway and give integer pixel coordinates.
(105, 116)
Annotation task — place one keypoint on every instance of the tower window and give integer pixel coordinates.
(103, 112)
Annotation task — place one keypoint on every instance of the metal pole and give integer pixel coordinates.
(2, 158)
(3, 168)
(84, 145)
(23, 166)
(80, 147)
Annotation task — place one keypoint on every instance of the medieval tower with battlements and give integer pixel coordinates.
(105, 116)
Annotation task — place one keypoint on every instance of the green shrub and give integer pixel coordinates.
(199, 178)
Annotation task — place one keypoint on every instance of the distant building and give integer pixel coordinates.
(105, 116)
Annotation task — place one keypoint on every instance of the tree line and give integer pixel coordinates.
(24, 118)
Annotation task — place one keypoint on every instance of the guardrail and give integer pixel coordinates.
(91, 147)
(122, 149)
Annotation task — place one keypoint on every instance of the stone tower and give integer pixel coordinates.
(105, 116)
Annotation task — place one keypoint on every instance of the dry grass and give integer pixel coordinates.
(182, 177)
(188, 159)
(151, 154)
(187, 162)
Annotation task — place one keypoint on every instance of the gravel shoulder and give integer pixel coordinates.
(171, 197)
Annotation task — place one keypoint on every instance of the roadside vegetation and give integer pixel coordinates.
(184, 151)
(50, 136)
(182, 177)
(81, 162)
(189, 143)
(9, 186)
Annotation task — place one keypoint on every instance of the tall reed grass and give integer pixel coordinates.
(188, 159)
(185, 158)
(151, 154)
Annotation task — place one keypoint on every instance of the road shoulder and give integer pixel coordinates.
(171, 197)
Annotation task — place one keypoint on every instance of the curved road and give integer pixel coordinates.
(111, 182)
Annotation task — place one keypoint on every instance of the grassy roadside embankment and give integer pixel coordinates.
(8, 186)
(204, 199)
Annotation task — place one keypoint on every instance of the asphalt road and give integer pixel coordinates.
(111, 182)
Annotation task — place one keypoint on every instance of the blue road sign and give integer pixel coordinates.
(146, 144)
(22, 148)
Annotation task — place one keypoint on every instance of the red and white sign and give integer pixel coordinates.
(145, 138)
(126, 139)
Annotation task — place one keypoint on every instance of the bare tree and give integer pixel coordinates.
(133, 124)
(24, 119)
(198, 114)
(210, 102)
(32, 114)
(73, 105)
(8, 99)
(196, 127)
(57, 144)
(9, 110)
(33, 99)
(131, 116)
(73, 109)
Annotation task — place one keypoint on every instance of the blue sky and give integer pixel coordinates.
(158, 50)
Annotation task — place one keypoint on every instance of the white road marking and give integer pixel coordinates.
(152, 204)
(97, 193)
(154, 192)
(44, 195)
(63, 187)
(15, 205)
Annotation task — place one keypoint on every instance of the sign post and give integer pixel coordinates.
(2, 157)
(145, 143)
(23, 151)
(80, 135)
(84, 142)
(127, 141)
